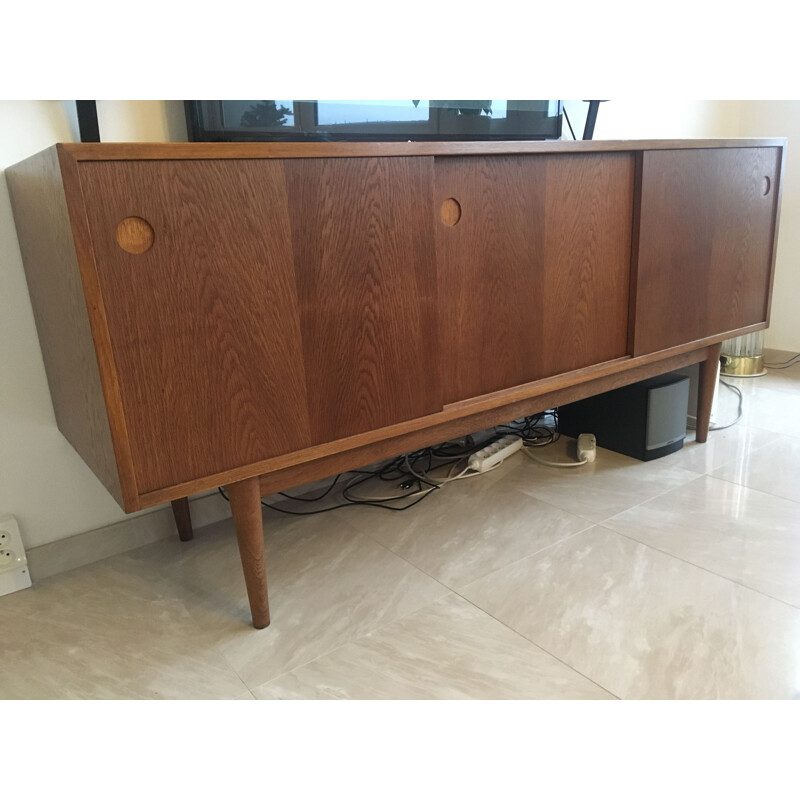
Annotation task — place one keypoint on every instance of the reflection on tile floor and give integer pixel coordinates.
(448, 650)
(751, 537)
(676, 578)
(646, 625)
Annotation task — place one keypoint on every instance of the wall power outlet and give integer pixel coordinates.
(14, 573)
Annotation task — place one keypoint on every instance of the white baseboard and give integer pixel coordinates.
(128, 534)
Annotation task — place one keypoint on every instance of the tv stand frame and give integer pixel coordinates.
(201, 346)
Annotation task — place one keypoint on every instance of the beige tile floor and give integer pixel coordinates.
(678, 578)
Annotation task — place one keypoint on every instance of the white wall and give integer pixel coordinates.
(657, 119)
(43, 482)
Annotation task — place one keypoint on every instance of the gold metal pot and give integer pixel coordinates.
(743, 366)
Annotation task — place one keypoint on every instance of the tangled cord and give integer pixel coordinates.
(419, 473)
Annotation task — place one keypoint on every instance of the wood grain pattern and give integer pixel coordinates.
(204, 326)
(362, 235)
(245, 497)
(705, 247)
(534, 279)
(60, 311)
(194, 150)
(587, 255)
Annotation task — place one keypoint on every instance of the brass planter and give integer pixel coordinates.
(743, 366)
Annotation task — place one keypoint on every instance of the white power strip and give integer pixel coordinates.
(491, 456)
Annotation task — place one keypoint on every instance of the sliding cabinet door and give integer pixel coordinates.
(363, 249)
(705, 243)
(195, 268)
(534, 260)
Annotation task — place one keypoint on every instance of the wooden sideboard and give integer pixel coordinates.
(261, 315)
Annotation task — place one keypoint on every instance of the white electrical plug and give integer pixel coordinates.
(587, 447)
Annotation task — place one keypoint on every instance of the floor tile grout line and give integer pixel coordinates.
(683, 486)
(588, 526)
(369, 632)
(457, 592)
(380, 627)
(699, 566)
(733, 458)
(695, 477)
(339, 646)
(327, 652)
(162, 586)
(536, 644)
(556, 508)
(754, 489)
(604, 524)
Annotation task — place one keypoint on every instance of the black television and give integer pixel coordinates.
(372, 120)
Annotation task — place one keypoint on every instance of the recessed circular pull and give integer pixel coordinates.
(450, 211)
(766, 185)
(135, 235)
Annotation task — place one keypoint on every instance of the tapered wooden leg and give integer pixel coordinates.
(183, 519)
(705, 391)
(245, 497)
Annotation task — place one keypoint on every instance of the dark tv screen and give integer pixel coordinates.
(371, 120)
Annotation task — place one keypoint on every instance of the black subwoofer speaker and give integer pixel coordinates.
(645, 420)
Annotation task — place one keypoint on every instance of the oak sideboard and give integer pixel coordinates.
(257, 316)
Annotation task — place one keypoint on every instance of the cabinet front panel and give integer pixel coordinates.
(705, 243)
(534, 266)
(195, 267)
(363, 241)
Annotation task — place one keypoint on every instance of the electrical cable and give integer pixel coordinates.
(737, 391)
(531, 430)
(331, 508)
(418, 473)
(313, 499)
(790, 362)
(553, 463)
(465, 473)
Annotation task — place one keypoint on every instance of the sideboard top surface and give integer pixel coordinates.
(90, 151)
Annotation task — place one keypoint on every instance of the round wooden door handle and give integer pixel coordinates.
(450, 212)
(135, 235)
